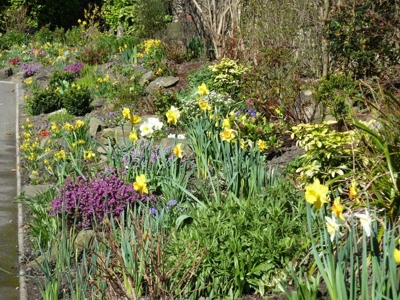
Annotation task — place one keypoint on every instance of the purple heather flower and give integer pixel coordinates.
(29, 69)
(74, 68)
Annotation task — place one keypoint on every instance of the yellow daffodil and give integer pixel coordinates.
(396, 255)
(126, 113)
(79, 124)
(226, 123)
(316, 194)
(133, 136)
(135, 119)
(337, 208)
(353, 191)
(140, 184)
(203, 90)
(67, 126)
(262, 145)
(203, 104)
(89, 155)
(173, 115)
(332, 227)
(178, 150)
(227, 135)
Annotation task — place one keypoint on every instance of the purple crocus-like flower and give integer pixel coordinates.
(75, 68)
(29, 69)
(153, 211)
(87, 202)
(172, 203)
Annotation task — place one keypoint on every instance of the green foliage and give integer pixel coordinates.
(93, 54)
(336, 93)
(199, 76)
(382, 147)
(58, 77)
(44, 102)
(226, 77)
(12, 38)
(43, 228)
(249, 241)
(77, 101)
(137, 17)
(329, 153)
(361, 36)
(163, 100)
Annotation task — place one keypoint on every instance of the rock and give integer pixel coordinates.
(95, 126)
(33, 190)
(146, 77)
(85, 239)
(117, 134)
(50, 257)
(99, 102)
(5, 73)
(165, 82)
(102, 150)
(138, 68)
(18, 78)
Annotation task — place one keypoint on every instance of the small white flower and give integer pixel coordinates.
(365, 221)
(332, 227)
(146, 130)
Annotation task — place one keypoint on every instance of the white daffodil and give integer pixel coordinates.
(146, 130)
(332, 227)
(365, 221)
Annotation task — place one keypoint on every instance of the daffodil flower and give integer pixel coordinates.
(173, 115)
(353, 190)
(316, 194)
(140, 184)
(337, 208)
(178, 150)
(365, 221)
(396, 255)
(203, 90)
(332, 227)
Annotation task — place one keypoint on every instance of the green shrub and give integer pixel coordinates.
(249, 241)
(44, 102)
(77, 101)
(94, 54)
(58, 77)
(162, 101)
(12, 38)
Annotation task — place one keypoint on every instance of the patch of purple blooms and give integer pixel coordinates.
(30, 69)
(86, 201)
(252, 112)
(75, 68)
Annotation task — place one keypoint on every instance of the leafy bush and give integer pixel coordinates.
(249, 241)
(12, 38)
(87, 202)
(93, 54)
(77, 101)
(162, 101)
(59, 77)
(44, 102)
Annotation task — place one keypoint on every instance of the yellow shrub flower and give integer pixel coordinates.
(173, 115)
(178, 150)
(227, 135)
(316, 194)
(203, 89)
(140, 184)
(337, 208)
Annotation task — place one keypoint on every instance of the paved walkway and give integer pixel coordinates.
(9, 281)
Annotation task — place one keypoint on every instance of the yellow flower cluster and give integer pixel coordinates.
(127, 114)
(151, 44)
(69, 127)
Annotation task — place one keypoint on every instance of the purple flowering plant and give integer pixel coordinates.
(86, 202)
(74, 68)
(30, 68)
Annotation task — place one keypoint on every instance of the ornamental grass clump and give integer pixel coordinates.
(88, 201)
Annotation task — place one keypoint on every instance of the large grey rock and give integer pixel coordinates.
(5, 73)
(18, 78)
(99, 102)
(118, 134)
(95, 126)
(33, 190)
(85, 239)
(164, 82)
(147, 77)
